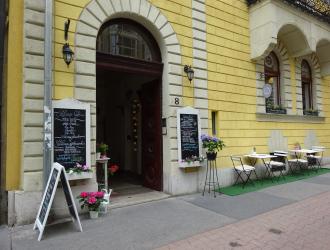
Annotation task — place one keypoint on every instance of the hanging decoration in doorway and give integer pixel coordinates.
(135, 109)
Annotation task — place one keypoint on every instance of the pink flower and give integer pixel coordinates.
(99, 195)
(83, 194)
(91, 200)
(93, 194)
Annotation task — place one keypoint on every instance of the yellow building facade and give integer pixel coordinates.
(225, 42)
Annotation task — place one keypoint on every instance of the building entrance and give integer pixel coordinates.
(128, 100)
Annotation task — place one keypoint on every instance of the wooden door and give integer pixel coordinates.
(152, 169)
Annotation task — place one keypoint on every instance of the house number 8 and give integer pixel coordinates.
(176, 101)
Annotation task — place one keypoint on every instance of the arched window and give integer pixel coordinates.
(306, 86)
(272, 79)
(123, 37)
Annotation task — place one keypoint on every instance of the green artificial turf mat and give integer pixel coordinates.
(264, 183)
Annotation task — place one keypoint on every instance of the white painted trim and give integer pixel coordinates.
(191, 111)
(75, 104)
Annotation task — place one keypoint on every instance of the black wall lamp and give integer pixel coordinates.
(190, 72)
(67, 52)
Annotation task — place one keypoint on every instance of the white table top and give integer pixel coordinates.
(304, 151)
(103, 159)
(260, 156)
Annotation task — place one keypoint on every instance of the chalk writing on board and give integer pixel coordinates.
(189, 135)
(69, 136)
(49, 193)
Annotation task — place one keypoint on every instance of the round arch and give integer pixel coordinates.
(323, 53)
(314, 65)
(281, 52)
(97, 12)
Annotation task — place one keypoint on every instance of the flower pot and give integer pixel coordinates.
(211, 156)
(93, 214)
(98, 155)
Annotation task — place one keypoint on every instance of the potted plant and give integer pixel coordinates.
(91, 200)
(297, 146)
(80, 171)
(112, 169)
(212, 145)
(102, 148)
(312, 112)
(276, 109)
(193, 158)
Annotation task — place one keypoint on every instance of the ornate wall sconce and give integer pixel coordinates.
(190, 72)
(66, 51)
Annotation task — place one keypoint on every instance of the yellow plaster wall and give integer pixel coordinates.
(231, 73)
(178, 12)
(63, 75)
(232, 86)
(13, 104)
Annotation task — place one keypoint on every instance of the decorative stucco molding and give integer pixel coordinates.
(301, 33)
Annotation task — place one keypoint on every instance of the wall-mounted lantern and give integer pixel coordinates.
(67, 52)
(190, 72)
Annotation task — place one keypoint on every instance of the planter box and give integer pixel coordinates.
(76, 176)
(192, 164)
(276, 111)
(313, 113)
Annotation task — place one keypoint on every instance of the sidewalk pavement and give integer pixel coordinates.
(290, 216)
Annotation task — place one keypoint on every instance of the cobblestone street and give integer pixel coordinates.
(302, 225)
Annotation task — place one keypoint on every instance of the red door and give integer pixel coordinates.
(152, 169)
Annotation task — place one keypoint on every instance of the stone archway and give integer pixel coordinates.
(91, 19)
(282, 54)
(313, 62)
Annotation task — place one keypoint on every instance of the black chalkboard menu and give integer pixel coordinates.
(189, 135)
(69, 136)
(49, 193)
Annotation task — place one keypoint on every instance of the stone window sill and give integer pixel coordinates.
(289, 118)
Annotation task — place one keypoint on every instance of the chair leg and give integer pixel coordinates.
(291, 166)
(238, 177)
(247, 179)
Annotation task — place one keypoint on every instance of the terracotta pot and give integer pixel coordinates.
(211, 156)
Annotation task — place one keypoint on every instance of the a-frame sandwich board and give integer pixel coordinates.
(57, 173)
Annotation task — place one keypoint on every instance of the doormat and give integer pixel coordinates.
(264, 183)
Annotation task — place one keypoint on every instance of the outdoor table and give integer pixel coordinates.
(262, 157)
(104, 162)
(298, 154)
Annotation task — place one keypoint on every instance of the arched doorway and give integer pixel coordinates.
(128, 100)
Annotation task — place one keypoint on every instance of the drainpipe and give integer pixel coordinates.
(48, 71)
(3, 18)
(3, 31)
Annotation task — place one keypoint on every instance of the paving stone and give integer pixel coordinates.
(297, 190)
(304, 236)
(239, 207)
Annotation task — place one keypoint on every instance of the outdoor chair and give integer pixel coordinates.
(243, 171)
(316, 159)
(297, 163)
(276, 164)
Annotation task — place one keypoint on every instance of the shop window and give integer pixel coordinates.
(122, 37)
(273, 82)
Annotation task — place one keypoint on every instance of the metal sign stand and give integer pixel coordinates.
(56, 173)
